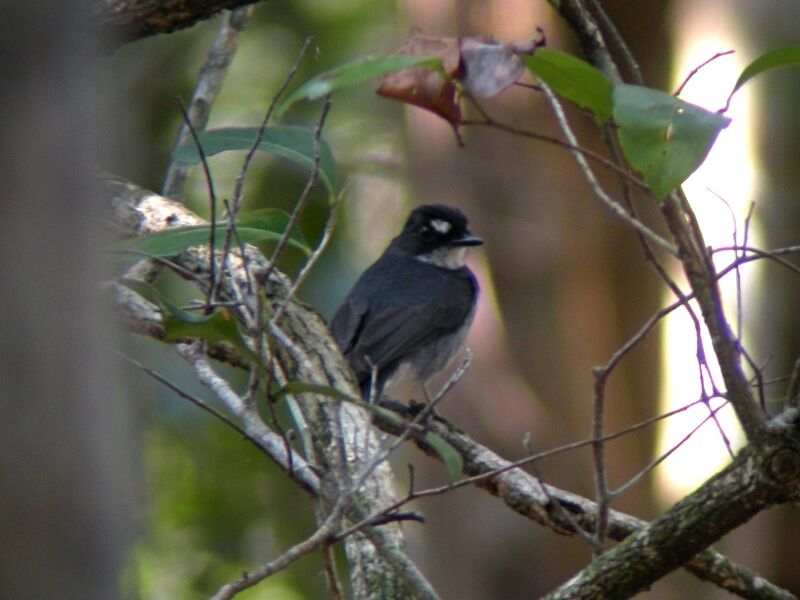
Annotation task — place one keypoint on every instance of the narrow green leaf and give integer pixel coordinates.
(355, 73)
(663, 137)
(256, 226)
(450, 457)
(219, 326)
(292, 143)
(785, 56)
(301, 387)
(573, 79)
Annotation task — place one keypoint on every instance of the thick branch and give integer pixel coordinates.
(122, 21)
(722, 504)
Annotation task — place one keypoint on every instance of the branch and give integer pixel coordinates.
(702, 277)
(522, 493)
(590, 37)
(209, 83)
(723, 503)
(123, 21)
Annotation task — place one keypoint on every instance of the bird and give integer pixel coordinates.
(408, 314)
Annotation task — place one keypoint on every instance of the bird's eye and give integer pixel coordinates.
(427, 234)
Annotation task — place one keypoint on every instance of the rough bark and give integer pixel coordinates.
(123, 21)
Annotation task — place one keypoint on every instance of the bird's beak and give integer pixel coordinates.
(467, 240)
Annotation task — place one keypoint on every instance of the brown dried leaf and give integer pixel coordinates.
(485, 67)
(423, 87)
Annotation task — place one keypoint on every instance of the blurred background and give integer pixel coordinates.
(564, 285)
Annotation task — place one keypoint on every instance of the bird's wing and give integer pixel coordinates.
(347, 322)
(395, 331)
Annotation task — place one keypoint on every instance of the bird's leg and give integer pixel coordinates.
(429, 402)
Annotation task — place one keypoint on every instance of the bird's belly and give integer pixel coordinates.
(428, 360)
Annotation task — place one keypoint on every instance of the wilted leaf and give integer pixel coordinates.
(489, 67)
(450, 457)
(575, 80)
(423, 87)
(293, 143)
(663, 137)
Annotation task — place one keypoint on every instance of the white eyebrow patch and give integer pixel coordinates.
(441, 226)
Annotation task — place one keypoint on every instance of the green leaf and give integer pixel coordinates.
(219, 326)
(301, 387)
(663, 137)
(255, 226)
(450, 457)
(293, 143)
(355, 73)
(785, 56)
(573, 79)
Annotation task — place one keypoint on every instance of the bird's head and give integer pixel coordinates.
(437, 234)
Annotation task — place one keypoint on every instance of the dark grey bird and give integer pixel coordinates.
(409, 313)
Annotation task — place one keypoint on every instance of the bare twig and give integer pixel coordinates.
(793, 391)
(236, 202)
(653, 464)
(239, 185)
(303, 200)
(702, 276)
(694, 71)
(330, 225)
(618, 210)
(313, 542)
(207, 87)
(489, 121)
(191, 398)
(213, 209)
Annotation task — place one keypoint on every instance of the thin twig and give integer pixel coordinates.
(618, 210)
(239, 186)
(641, 474)
(303, 200)
(489, 121)
(207, 86)
(240, 244)
(238, 191)
(793, 391)
(180, 270)
(313, 542)
(697, 68)
(213, 210)
(187, 396)
(327, 233)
